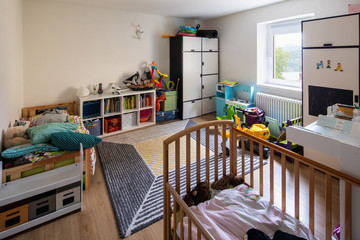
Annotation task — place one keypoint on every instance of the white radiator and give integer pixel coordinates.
(280, 108)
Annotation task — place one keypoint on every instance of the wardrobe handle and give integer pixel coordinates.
(327, 44)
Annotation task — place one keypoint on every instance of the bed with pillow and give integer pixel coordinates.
(47, 137)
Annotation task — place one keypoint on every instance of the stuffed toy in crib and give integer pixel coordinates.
(16, 135)
(227, 181)
(201, 193)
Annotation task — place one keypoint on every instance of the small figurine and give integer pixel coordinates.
(338, 67)
(94, 88)
(320, 65)
(328, 64)
(100, 90)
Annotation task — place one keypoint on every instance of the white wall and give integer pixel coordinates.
(11, 62)
(237, 36)
(66, 45)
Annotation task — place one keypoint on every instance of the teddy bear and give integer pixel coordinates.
(226, 181)
(15, 136)
(200, 193)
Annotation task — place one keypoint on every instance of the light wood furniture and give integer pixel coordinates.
(29, 193)
(130, 117)
(283, 183)
(28, 112)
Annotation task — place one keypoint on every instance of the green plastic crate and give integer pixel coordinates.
(170, 103)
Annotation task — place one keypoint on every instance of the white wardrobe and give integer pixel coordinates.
(330, 64)
(194, 62)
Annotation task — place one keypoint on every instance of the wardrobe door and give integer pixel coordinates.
(210, 44)
(191, 76)
(191, 44)
(337, 31)
(209, 85)
(210, 64)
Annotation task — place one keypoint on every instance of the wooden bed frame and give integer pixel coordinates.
(50, 163)
(221, 126)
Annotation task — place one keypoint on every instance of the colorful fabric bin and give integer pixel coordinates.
(170, 103)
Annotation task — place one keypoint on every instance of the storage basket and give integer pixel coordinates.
(13, 214)
(129, 120)
(112, 124)
(91, 109)
(94, 127)
(170, 103)
(42, 204)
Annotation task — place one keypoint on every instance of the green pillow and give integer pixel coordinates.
(71, 140)
(42, 133)
(20, 150)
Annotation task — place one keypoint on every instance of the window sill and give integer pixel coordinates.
(273, 86)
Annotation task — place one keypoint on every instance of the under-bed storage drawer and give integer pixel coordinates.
(68, 195)
(13, 215)
(42, 204)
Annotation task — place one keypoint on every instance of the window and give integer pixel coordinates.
(279, 52)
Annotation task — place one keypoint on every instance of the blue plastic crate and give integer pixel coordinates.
(163, 116)
(91, 109)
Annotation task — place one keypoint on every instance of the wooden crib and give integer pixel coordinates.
(219, 128)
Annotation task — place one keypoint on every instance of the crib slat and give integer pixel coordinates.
(181, 224)
(328, 197)
(348, 202)
(283, 182)
(189, 229)
(224, 149)
(243, 157)
(198, 156)
(177, 165)
(261, 169)
(198, 234)
(216, 152)
(311, 199)
(297, 187)
(167, 207)
(272, 176)
(174, 218)
(207, 154)
(251, 163)
(188, 162)
(233, 153)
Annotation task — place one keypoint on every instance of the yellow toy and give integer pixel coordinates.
(257, 130)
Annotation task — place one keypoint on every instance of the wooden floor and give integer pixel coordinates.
(97, 220)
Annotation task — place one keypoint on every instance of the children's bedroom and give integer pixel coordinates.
(180, 119)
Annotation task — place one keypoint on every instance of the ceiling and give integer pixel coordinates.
(192, 9)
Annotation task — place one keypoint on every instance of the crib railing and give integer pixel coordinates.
(221, 126)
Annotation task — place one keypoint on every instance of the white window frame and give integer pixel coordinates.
(265, 48)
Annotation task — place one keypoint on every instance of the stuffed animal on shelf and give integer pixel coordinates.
(226, 181)
(200, 193)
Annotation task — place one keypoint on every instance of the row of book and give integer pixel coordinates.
(112, 105)
(145, 101)
(129, 102)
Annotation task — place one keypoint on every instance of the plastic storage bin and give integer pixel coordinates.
(94, 127)
(170, 103)
(163, 116)
(68, 195)
(42, 204)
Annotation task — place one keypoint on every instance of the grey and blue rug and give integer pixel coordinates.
(136, 194)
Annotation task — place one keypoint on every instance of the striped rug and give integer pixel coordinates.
(151, 208)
